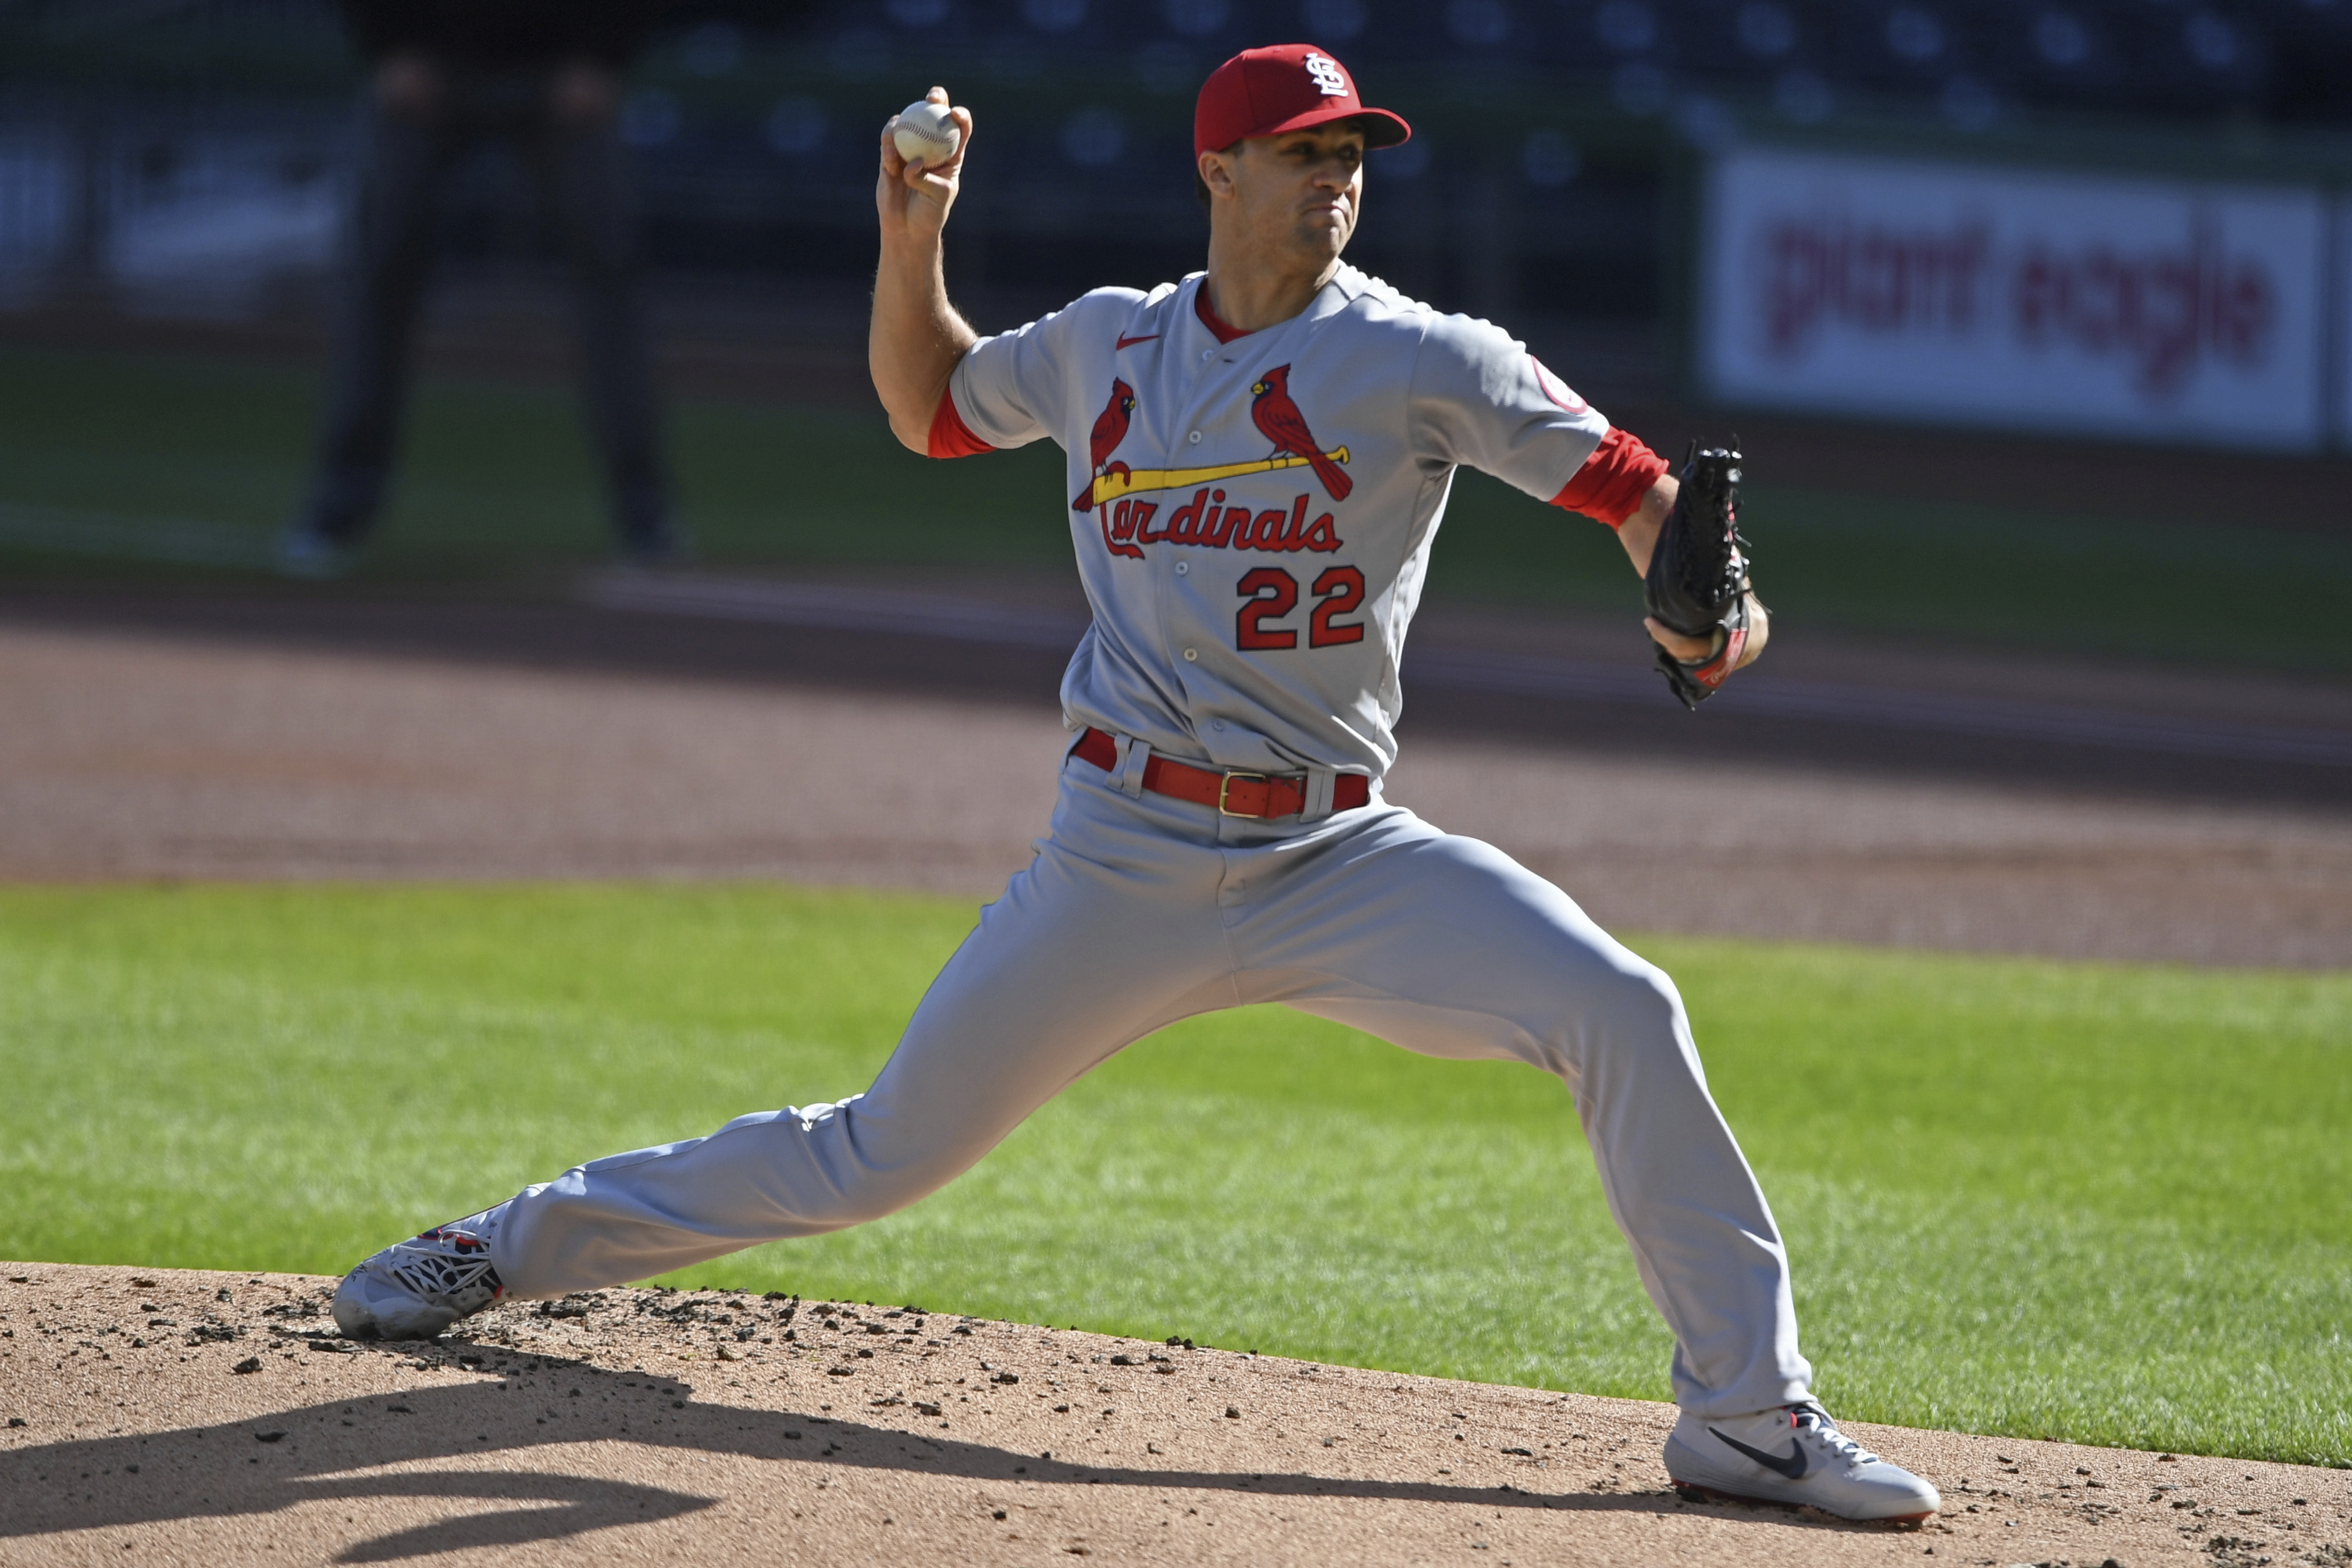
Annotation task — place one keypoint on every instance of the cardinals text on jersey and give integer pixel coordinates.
(1128, 522)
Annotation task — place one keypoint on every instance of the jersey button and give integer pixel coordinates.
(1182, 567)
(1192, 656)
(1194, 438)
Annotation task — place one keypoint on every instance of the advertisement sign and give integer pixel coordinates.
(2108, 304)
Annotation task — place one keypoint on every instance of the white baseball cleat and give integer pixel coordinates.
(414, 1289)
(1793, 1454)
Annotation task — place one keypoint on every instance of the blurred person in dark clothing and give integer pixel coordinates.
(447, 76)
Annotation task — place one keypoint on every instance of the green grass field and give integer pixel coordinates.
(2102, 1202)
(498, 477)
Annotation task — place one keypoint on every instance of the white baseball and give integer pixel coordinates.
(926, 133)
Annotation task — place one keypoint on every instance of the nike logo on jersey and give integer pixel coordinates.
(1793, 1466)
(1130, 342)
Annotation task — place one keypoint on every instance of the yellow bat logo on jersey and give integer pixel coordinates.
(1119, 480)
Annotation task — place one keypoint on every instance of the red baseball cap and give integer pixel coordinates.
(1286, 86)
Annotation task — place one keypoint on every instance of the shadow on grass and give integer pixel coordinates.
(307, 1453)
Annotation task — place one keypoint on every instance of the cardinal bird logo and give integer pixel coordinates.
(1278, 420)
(1111, 429)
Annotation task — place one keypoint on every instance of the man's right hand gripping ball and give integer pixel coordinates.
(913, 198)
(1704, 613)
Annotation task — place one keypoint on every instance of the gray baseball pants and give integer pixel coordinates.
(1139, 910)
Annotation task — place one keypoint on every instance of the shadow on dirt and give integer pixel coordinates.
(308, 1454)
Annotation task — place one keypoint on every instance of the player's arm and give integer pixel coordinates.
(915, 337)
(1479, 399)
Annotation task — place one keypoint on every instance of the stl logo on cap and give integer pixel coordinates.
(1282, 87)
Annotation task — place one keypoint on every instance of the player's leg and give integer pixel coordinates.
(389, 256)
(1096, 945)
(583, 168)
(1446, 946)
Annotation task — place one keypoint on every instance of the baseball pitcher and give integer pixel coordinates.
(1258, 459)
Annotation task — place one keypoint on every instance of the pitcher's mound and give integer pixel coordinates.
(170, 1417)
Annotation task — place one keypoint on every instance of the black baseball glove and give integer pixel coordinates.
(1697, 581)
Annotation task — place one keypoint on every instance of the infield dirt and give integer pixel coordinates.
(167, 1417)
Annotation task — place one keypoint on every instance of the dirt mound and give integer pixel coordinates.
(201, 1418)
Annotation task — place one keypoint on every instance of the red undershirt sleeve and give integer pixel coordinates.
(950, 437)
(1609, 486)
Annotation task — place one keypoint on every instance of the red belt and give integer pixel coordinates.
(1233, 795)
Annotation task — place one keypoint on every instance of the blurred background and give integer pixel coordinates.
(2032, 316)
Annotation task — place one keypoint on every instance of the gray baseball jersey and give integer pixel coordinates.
(1252, 518)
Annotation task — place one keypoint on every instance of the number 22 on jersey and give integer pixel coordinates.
(1270, 594)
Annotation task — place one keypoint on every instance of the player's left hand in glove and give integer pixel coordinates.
(1704, 613)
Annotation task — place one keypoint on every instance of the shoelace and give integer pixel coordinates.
(1814, 1419)
(436, 1273)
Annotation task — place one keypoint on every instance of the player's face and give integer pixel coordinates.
(1302, 191)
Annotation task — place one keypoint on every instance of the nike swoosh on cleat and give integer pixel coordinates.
(1792, 1466)
(1130, 342)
